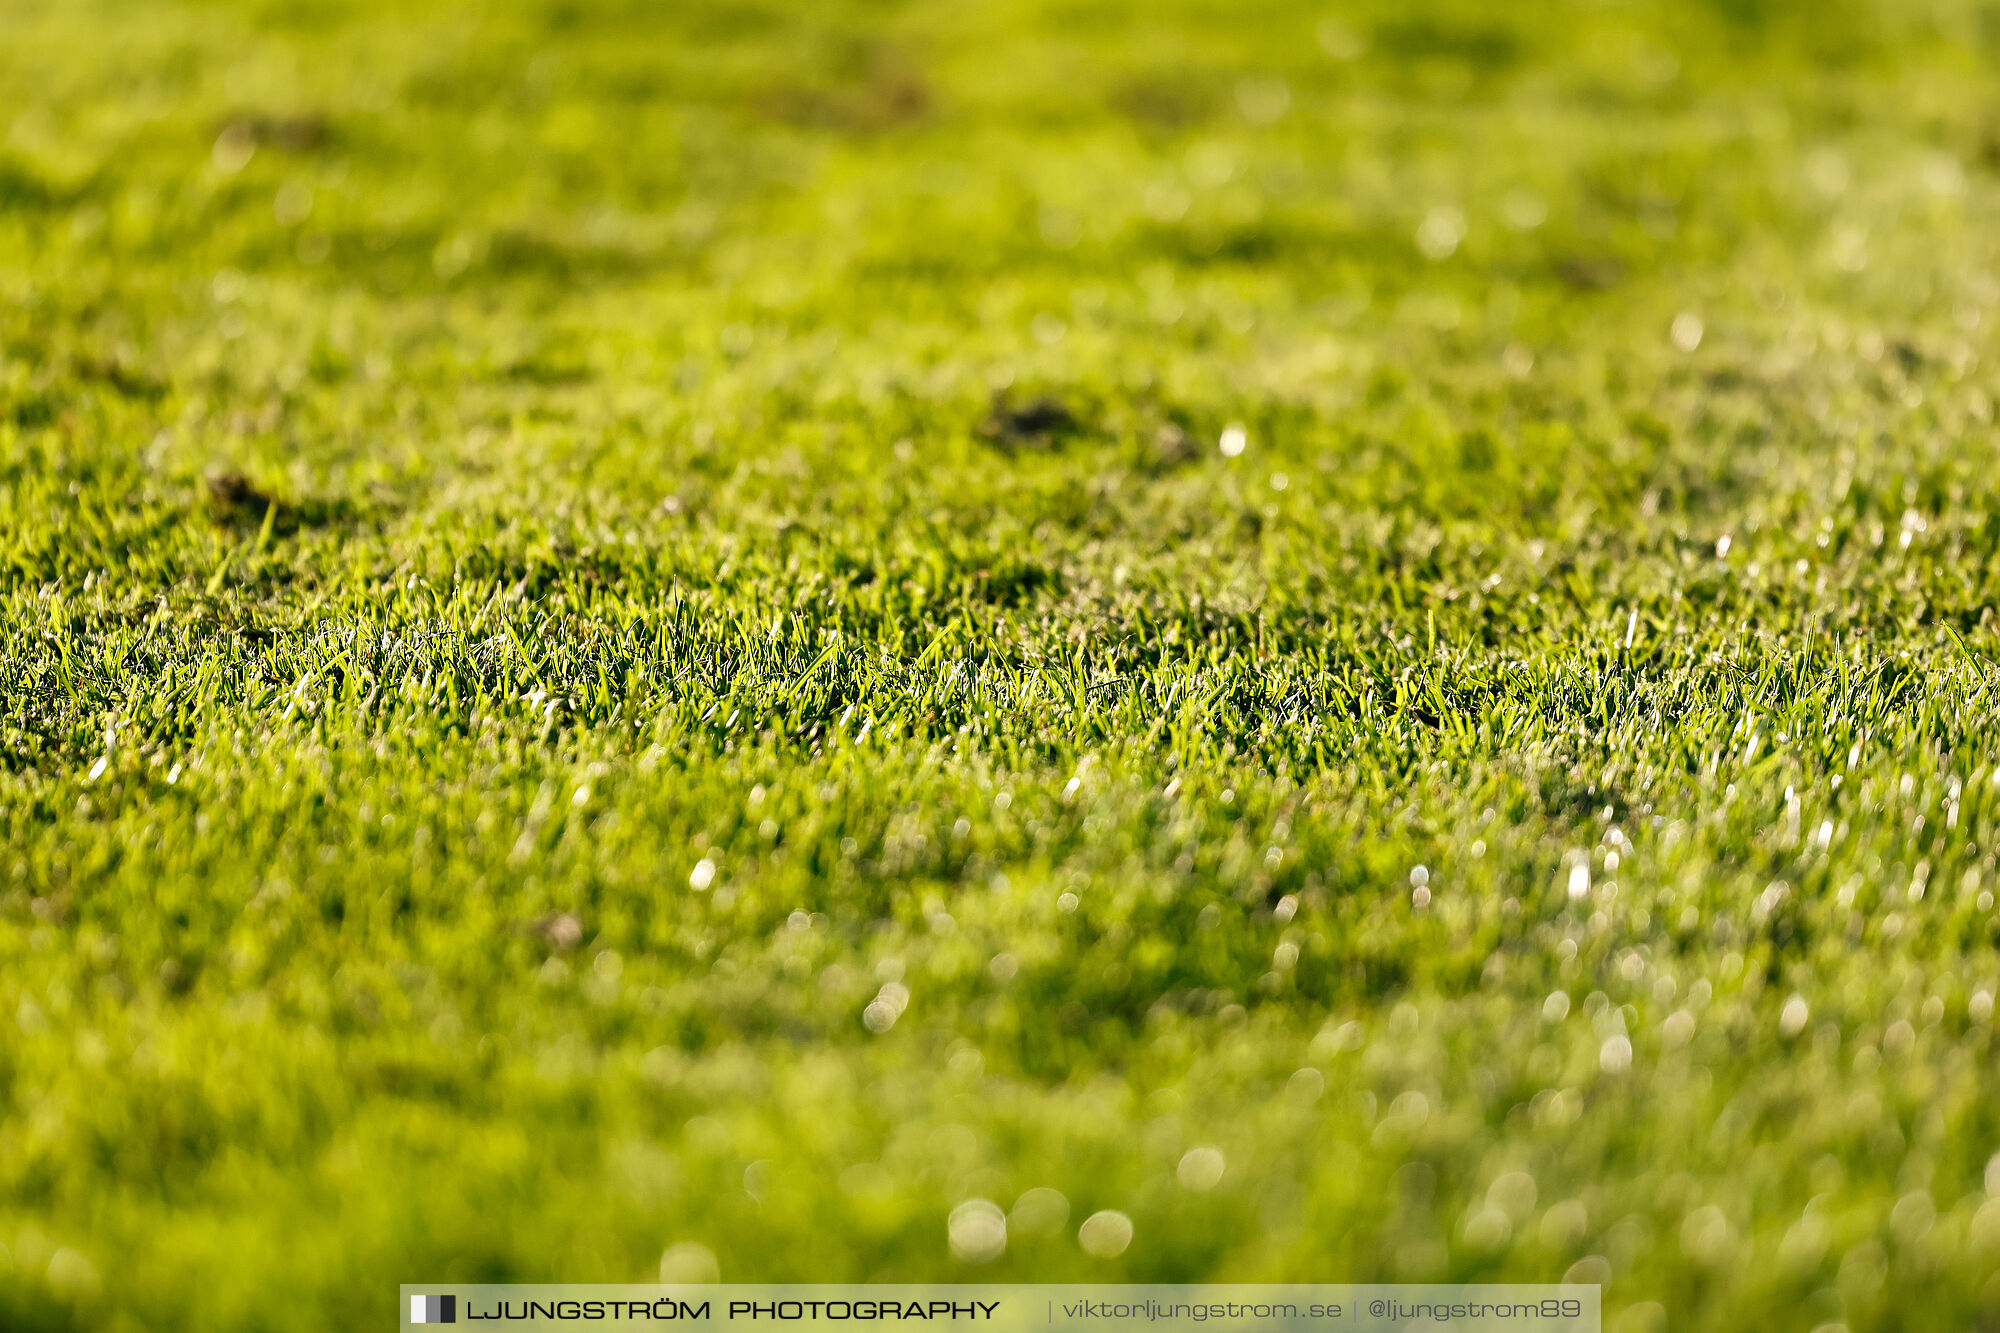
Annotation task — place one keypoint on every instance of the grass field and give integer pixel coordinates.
(681, 639)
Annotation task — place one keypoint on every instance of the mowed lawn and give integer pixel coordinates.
(790, 642)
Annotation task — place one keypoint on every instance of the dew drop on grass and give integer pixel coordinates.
(977, 1231)
(1564, 1224)
(1263, 101)
(72, 1275)
(1615, 1056)
(1339, 40)
(1512, 1193)
(689, 1262)
(1523, 210)
(1200, 1168)
(1040, 1211)
(1105, 1235)
(233, 148)
(1705, 1235)
(1440, 233)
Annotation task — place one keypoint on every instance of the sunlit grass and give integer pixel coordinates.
(1033, 642)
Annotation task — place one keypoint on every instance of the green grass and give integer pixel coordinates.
(624, 633)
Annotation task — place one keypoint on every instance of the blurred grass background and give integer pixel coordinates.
(731, 640)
